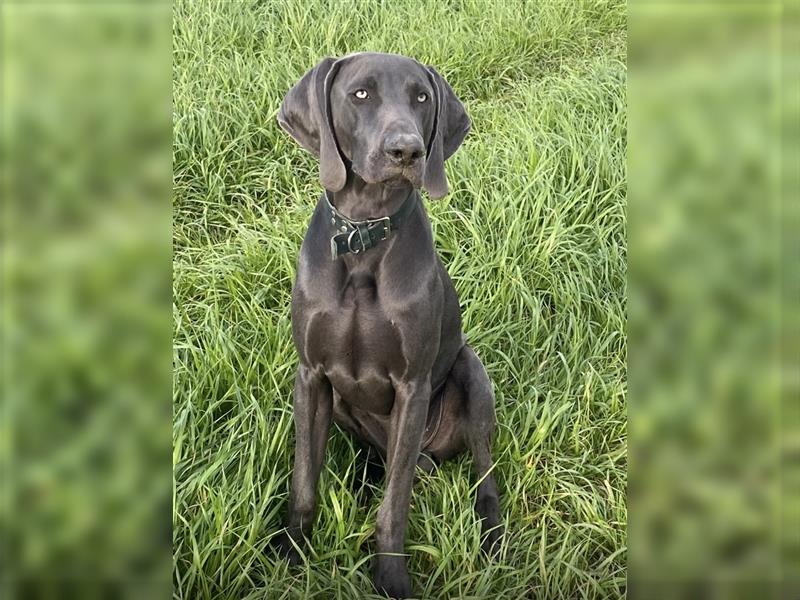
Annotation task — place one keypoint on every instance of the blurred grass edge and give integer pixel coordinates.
(86, 414)
(713, 495)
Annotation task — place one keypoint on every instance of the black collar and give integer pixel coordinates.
(358, 236)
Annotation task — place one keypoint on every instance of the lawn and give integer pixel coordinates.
(533, 234)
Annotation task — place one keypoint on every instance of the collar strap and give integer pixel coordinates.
(358, 236)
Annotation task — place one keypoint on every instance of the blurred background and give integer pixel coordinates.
(714, 440)
(86, 413)
(85, 462)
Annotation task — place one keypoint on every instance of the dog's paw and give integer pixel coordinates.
(490, 541)
(285, 547)
(392, 579)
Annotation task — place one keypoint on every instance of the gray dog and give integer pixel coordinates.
(375, 317)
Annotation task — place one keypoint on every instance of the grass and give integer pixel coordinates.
(532, 233)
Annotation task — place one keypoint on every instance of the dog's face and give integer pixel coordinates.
(387, 118)
(384, 109)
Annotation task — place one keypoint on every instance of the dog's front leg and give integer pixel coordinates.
(407, 426)
(313, 404)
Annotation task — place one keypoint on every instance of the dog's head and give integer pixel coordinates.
(388, 118)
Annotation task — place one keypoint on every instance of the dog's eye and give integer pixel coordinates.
(422, 97)
(361, 94)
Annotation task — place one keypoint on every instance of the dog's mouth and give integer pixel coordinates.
(373, 168)
(400, 179)
(393, 176)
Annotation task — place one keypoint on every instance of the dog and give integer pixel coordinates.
(375, 317)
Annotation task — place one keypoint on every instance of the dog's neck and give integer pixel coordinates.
(359, 200)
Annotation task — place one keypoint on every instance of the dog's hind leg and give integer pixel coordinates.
(479, 422)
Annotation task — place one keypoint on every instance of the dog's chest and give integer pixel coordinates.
(359, 345)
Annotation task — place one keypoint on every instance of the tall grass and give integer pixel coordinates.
(533, 235)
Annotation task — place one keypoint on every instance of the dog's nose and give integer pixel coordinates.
(403, 148)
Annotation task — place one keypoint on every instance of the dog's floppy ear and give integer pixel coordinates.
(450, 126)
(306, 115)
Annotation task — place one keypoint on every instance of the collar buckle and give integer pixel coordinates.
(369, 231)
(387, 225)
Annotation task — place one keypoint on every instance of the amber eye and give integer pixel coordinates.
(361, 94)
(422, 97)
